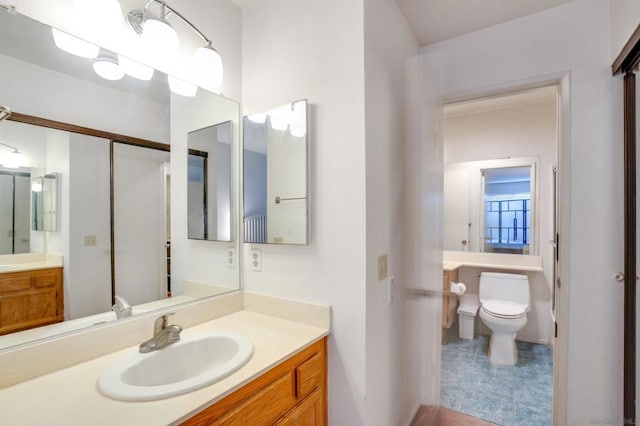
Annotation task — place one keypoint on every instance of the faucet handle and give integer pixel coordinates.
(161, 322)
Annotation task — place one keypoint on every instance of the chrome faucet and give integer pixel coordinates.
(163, 334)
(121, 308)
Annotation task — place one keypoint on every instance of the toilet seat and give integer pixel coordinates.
(503, 309)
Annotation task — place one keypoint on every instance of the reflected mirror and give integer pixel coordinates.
(209, 183)
(44, 203)
(275, 152)
(490, 206)
(76, 190)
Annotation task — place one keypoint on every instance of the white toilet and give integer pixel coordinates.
(504, 301)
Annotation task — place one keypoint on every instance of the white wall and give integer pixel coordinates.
(519, 131)
(573, 41)
(625, 16)
(88, 278)
(390, 347)
(296, 49)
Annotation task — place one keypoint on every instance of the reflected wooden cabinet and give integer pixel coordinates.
(292, 393)
(30, 299)
(449, 302)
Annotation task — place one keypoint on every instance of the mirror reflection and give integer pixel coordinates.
(209, 182)
(499, 155)
(275, 150)
(108, 213)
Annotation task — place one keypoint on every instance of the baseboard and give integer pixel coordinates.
(413, 415)
(532, 340)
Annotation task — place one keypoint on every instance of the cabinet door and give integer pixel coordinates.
(306, 413)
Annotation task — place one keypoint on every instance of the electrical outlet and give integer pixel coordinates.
(392, 289)
(256, 260)
(90, 241)
(231, 257)
(382, 267)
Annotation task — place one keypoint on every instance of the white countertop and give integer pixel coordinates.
(28, 262)
(453, 260)
(70, 396)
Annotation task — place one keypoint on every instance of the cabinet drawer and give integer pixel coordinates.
(308, 376)
(265, 407)
(19, 283)
(48, 279)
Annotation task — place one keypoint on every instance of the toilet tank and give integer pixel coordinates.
(504, 287)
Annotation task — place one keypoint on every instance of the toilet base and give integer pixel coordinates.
(502, 349)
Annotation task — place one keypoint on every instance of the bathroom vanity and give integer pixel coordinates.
(283, 383)
(30, 299)
(291, 393)
(449, 301)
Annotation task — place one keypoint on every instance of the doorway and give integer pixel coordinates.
(500, 156)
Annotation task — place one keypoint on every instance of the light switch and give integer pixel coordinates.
(382, 267)
(90, 241)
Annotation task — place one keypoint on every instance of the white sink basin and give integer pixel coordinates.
(181, 367)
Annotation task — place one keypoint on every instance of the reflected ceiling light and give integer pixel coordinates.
(135, 69)
(298, 124)
(12, 160)
(181, 87)
(97, 20)
(74, 45)
(280, 118)
(259, 118)
(208, 67)
(106, 66)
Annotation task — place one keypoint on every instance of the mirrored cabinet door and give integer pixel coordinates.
(275, 152)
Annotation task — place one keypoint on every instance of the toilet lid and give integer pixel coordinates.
(503, 309)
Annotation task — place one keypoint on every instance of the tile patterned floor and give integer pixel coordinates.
(508, 396)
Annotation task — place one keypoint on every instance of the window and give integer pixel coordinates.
(507, 209)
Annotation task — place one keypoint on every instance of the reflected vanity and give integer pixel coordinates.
(275, 152)
(104, 202)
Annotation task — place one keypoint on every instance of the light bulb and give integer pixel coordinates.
(161, 42)
(74, 45)
(181, 87)
(208, 67)
(135, 69)
(106, 66)
(36, 186)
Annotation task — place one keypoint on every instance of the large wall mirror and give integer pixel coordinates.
(500, 154)
(134, 188)
(275, 152)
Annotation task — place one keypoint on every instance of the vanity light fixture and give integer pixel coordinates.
(161, 42)
(106, 66)
(258, 118)
(12, 160)
(135, 69)
(74, 45)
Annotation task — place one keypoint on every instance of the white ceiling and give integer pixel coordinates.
(437, 20)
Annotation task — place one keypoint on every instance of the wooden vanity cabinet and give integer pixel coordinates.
(292, 393)
(449, 301)
(30, 299)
